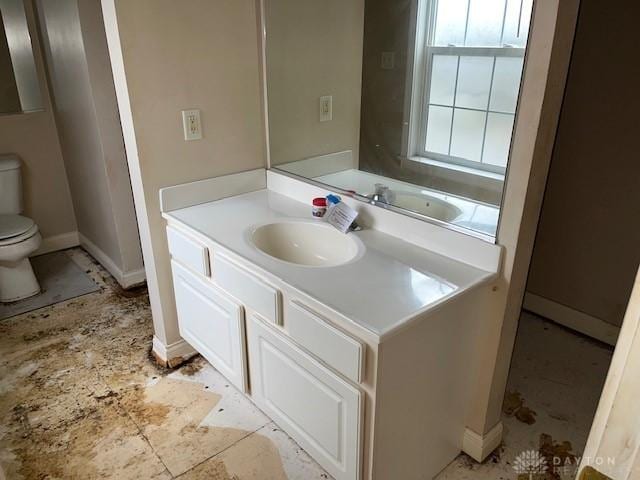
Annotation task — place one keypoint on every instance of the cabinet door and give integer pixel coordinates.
(212, 323)
(314, 406)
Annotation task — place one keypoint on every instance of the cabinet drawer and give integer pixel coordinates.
(335, 348)
(250, 290)
(188, 251)
(212, 323)
(318, 409)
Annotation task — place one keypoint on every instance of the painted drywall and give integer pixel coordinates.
(33, 137)
(313, 49)
(168, 56)
(586, 252)
(90, 133)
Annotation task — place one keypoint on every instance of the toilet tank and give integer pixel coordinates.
(10, 185)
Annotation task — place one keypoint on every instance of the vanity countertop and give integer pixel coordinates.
(382, 290)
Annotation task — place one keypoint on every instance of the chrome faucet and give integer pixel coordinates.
(382, 194)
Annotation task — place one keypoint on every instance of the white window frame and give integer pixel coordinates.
(420, 69)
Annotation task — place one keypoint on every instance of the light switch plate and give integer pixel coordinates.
(191, 124)
(326, 108)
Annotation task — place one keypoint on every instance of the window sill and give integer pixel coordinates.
(458, 168)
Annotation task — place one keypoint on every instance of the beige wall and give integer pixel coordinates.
(586, 252)
(313, 49)
(33, 137)
(181, 55)
(90, 132)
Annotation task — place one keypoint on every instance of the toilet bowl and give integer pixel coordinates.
(19, 238)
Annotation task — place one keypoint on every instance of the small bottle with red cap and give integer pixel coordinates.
(319, 207)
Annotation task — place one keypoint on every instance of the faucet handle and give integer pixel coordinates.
(380, 188)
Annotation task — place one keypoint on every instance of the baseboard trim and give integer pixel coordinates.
(133, 278)
(58, 242)
(124, 279)
(573, 319)
(172, 355)
(479, 446)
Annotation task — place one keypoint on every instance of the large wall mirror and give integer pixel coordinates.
(19, 84)
(409, 104)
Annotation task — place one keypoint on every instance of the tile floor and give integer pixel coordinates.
(80, 398)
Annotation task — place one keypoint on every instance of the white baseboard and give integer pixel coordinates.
(58, 242)
(479, 446)
(133, 278)
(125, 279)
(173, 354)
(573, 319)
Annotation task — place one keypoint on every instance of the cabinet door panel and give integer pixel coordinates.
(212, 324)
(317, 408)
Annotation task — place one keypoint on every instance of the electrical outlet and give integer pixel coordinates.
(388, 60)
(326, 108)
(191, 125)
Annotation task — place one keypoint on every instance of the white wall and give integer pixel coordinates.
(90, 134)
(155, 78)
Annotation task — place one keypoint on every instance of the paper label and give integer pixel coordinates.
(341, 216)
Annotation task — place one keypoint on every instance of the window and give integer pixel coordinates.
(469, 63)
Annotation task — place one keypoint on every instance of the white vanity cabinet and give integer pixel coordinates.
(314, 404)
(365, 404)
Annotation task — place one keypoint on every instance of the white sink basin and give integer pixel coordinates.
(306, 243)
(427, 205)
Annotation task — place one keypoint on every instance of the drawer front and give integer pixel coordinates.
(188, 251)
(318, 409)
(250, 290)
(335, 348)
(212, 323)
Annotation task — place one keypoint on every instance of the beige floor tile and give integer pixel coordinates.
(103, 444)
(234, 409)
(170, 413)
(253, 458)
(268, 454)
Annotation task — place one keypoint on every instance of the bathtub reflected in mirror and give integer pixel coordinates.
(412, 98)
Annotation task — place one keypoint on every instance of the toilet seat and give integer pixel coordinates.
(15, 229)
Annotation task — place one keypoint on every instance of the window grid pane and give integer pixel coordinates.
(482, 22)
(467, 31)
(462, 119)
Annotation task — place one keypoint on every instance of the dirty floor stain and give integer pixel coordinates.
(81, 398)
(514, 406)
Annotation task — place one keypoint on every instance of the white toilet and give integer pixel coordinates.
(19, 236)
